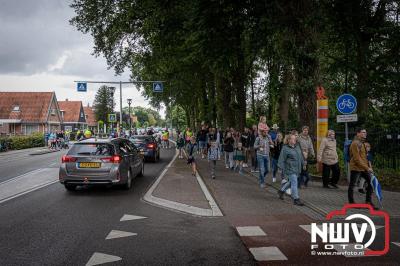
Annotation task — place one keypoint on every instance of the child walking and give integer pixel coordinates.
(214, 154)
(238, 156)
(191, 151)
(180, 143)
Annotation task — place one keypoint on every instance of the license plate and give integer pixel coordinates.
(89, 165)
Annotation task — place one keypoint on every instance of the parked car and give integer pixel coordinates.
(148, 146)
(101, 162)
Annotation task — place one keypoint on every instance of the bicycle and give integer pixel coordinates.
(346, 103)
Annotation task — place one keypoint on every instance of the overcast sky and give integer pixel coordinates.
(41, 51)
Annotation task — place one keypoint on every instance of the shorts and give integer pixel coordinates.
(190, 160)
(202, 144)
(238, 158)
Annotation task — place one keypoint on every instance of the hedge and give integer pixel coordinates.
(25, 142)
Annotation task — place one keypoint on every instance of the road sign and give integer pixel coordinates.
(158, 87)
(346, 104)
(82, 86)
(347, 118)
(112, 118)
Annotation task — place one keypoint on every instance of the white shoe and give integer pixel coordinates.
(273, 180)
(226, 166)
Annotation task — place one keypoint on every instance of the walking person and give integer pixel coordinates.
(180, 144)
(188, 135)
(213, 155)
(307, 149)
(275, 152)
(202, 140)
(359, 167)
(253, 152)
(262, 145)
(245, 140)
(361, 183)
(191, 151)
(291, 162)
(228, 150)
(328, 156)
(238, 157)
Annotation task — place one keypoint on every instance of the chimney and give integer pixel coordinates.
(66, 100)
(88, 105)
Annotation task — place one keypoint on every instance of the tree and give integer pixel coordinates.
(103, 103)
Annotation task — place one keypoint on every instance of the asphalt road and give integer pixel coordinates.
(51, 226)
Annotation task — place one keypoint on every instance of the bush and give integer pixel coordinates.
(26, 142)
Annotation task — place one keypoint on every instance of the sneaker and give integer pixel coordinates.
(281, 194)
(245, 165)
(256, 171)
(213, 176)
(227, 167)
(326, 187)
(333, 185)
(298, 202)
(273, 180)
(361, 190)
(252, 171)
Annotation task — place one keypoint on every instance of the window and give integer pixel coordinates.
(16, 108)
(99, 149)
(81, 115)
(29, 129)
(53, 112)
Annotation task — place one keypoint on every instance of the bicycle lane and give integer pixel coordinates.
(274, 231)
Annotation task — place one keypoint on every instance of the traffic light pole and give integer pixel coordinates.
(120, 89)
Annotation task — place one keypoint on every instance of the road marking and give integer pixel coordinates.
(14, 178)
(27, 183)
(250, 231)
(118, 234)
(101, 258)
(128, 217)
(396, 243)
(267, 254)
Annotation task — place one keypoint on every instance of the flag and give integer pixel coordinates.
(377, 188)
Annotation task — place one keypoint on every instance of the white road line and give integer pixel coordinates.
(17, 177)
(128, 217)
(28, 191)
(267, 253)
(250, 231)
(396, 243)
(118, 234)
(101, 258)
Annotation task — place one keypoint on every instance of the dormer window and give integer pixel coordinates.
(81, 115)
(16, 108)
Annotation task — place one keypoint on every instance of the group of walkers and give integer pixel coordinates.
(57, 140)
(266, 149)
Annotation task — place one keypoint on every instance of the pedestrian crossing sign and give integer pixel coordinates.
(112, 118)
(82, 86)
(158, 87)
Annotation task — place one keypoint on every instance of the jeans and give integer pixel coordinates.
(229, 159)
(354, 175)
(274, 167)
(292, 184)
(326, 169)
(303, 178)
(263, 165)
(213, 164)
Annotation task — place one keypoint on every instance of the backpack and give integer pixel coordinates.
(346, 150)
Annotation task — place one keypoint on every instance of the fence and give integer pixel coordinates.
(385, 148)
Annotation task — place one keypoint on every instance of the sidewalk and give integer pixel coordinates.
(30, 151)
(178, 189)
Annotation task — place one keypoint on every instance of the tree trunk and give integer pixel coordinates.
(224, 94)
(284, 93)
(362, 72)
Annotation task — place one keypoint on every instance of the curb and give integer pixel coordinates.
(40, 152)
(148, 197)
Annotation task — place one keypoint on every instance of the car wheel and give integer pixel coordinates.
(141, 173)
(128, 183)
(70, 187)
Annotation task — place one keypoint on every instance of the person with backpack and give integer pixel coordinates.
(328, 156)
(359, 167)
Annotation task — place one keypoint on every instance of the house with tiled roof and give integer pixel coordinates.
(72, 114)
(23, 113)
(90, 118)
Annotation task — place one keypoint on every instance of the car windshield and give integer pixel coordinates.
(140, 139)
(95, 149)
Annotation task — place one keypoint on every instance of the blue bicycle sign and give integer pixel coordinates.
(346, 104)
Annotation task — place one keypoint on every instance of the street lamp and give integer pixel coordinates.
(129, 110)
(112, 91)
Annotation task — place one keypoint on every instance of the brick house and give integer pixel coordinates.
(23, 113)
(90, 118)
(72, 114)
